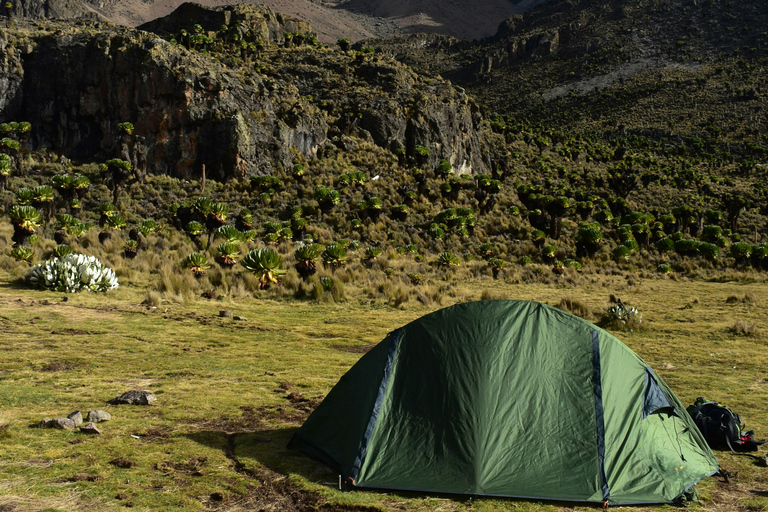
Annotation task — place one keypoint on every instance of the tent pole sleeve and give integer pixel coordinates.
(377, 405)
(599, 414)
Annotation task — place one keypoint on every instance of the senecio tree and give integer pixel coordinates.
(116, 173)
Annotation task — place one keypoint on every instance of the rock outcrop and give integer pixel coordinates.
(191, 110)
(260, 21)
(53, 9)
(235, 113)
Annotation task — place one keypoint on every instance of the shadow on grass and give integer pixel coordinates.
(266, 448)
(15, 284)
(263, 456)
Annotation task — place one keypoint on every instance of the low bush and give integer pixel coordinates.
(73, 273)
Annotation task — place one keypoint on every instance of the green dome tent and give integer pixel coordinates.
(508, 398)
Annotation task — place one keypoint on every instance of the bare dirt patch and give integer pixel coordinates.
(58, 366)
(275, 492)
(124, 463)
(84, 477)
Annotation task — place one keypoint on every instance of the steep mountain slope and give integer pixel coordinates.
(577, 46)
(332, 19)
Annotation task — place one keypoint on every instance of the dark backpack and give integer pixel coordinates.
(721, 427)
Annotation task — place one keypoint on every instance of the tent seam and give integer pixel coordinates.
(599, 413)
(356, 466)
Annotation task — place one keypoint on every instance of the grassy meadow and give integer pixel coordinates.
(231, 392)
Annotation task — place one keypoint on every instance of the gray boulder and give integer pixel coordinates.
(57, 423)
(95, 416)
(76, 417)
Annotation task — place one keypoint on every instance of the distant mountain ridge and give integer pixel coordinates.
(331, 19)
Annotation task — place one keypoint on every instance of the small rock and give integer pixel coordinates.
(764, 462)
(77, 417)
(239, 318)
(90, 428)
(95, 416)
(57, 423)
(225, 314)
(135, 397)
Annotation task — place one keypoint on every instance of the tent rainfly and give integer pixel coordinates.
(513, 399)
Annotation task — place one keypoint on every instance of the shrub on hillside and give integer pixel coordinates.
(73, 273)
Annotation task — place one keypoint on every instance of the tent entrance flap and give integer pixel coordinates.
(654, 397)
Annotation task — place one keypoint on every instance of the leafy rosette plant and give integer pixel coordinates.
(228, 253)
(197, 263)
(22, 253)
(265, 263)
(73, 273)
(305, 259)
(334, 256)
(447, 259)
(229, 234)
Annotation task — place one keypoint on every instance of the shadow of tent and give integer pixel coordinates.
(253, 451)
(258, 452)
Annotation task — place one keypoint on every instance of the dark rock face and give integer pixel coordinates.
(52, 9)
(191, 111)
(373, 97)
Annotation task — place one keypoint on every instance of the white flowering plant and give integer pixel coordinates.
(73, 273)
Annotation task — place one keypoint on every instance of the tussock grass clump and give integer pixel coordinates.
(743, 329)
(491, 295)
(576, 307)
(749, 298)
(153, 299)
(5, 428)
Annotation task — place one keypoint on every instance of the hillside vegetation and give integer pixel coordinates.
(399, 174)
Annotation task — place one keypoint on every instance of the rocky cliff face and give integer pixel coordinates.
(52, 9)
(261, 21)
(378, 98)
(75, 81)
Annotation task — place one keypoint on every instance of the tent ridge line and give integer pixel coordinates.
(377, 406)
(599, 412)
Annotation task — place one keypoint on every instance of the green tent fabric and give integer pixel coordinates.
(508, 398)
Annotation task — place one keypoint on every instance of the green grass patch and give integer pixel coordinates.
(232, 392)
